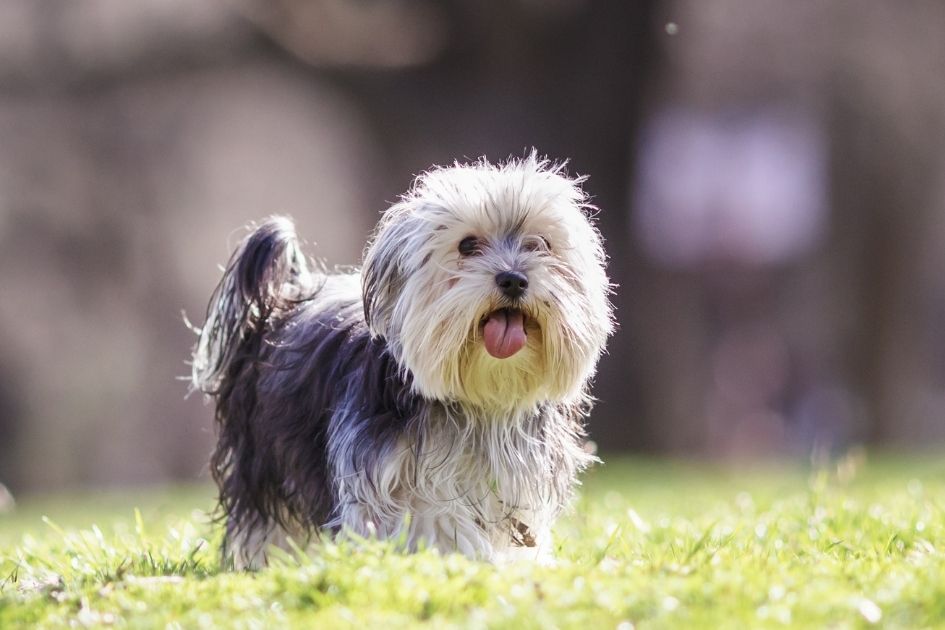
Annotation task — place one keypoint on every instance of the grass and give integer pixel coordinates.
(648, 545)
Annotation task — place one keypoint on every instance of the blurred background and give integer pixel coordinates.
(771, 178)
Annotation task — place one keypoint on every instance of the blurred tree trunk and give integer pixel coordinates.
(884, 187)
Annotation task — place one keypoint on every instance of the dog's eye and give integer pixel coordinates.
(537, 243)
(469, 246)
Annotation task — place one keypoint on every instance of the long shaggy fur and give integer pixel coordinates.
(367, 402)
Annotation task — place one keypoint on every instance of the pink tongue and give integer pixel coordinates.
(504, 333)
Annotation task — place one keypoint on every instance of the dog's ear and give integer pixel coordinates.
(385, 267)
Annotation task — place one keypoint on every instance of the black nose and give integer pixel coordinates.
(512, 283)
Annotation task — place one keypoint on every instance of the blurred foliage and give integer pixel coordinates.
(797, 172)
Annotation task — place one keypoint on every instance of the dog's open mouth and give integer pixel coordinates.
(503, 332)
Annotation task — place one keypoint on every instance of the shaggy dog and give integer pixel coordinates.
(437, 395)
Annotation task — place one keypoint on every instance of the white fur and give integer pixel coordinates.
(486, 464)
(467, 490)
(432, 324)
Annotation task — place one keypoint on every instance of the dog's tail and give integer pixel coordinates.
(267, 276)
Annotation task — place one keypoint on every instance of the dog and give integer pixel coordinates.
(438, 395)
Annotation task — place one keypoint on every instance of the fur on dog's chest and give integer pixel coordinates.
(476, 485)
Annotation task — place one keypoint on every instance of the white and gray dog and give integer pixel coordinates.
(438, 395)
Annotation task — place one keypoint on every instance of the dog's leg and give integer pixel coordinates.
(248, 547)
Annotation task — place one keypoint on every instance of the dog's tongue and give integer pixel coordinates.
(504, 333)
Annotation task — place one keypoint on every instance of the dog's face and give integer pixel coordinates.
(488, 285)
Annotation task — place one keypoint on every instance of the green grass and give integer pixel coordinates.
(648, 545)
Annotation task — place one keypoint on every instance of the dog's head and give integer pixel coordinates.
(488, 285)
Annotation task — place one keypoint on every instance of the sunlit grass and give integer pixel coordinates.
(649, 544)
